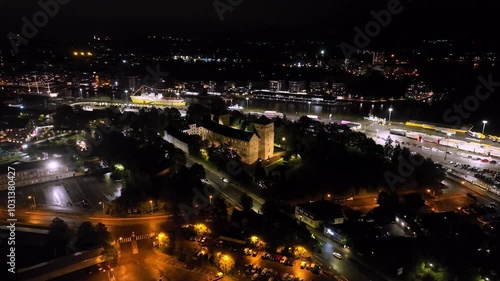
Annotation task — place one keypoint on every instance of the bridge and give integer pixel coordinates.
(61, 266)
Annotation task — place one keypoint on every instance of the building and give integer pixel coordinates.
(318, 87)
(178, 139)
(250, 145)
(277, 85)
(246, 144)
(16, 130)
(297, 86)
(133, 82)
(264, 128)
(339, 89)
(378, 59)
(319, 213)
(28, 173)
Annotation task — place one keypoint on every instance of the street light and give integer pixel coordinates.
(309, 106)
(484, 125)
(126, 95)
(151, 203)
(390, 113)
(247, 101)
(102, 203)
(210, 197)
(34, 200)
(447, 144)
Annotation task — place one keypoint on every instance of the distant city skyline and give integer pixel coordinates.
(325, 19)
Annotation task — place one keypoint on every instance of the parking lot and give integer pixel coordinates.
(173, 262)
(255, 266)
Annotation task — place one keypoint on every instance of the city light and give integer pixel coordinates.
(53, 165)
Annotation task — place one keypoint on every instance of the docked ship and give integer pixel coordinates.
(294, 97)
(151, 98)
(46, 92)
(235, 107)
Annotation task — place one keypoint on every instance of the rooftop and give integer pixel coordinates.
(178, 135)
(228, 131)
(263, 120)
(23, 166)
(322, 210)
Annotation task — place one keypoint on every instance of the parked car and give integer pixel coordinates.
(255, 276)
(470, 195)
(337, 255)
(303, 264)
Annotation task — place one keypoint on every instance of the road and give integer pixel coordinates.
(233, 193)
(231, 190)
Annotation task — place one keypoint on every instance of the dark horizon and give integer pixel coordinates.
(289, 19)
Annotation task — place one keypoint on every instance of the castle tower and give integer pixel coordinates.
(264, 128)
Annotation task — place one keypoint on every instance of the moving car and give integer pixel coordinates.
(303, 264)
(224, 180)
(337, 255)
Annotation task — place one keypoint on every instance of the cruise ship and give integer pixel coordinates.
(157, 99)
(294, 97)
(236, 107)
(46, 92)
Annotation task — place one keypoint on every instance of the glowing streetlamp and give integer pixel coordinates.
(210, 197)
(309, 106)
(390, 113)
(34, 200)
(102, 203)
(247, 102)
(484, 125)
(151, 203)
(126, 95)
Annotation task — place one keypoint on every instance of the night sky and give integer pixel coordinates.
(455, 19)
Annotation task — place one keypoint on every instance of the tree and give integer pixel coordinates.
(85, 236)
(197, 113)
(225, 262)
(269, 209)
(90, 236)
(260, 172)
(110, 255)
(59, 235)
(197, 171)
(246, 202)
(388, 148)
(220, 208)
